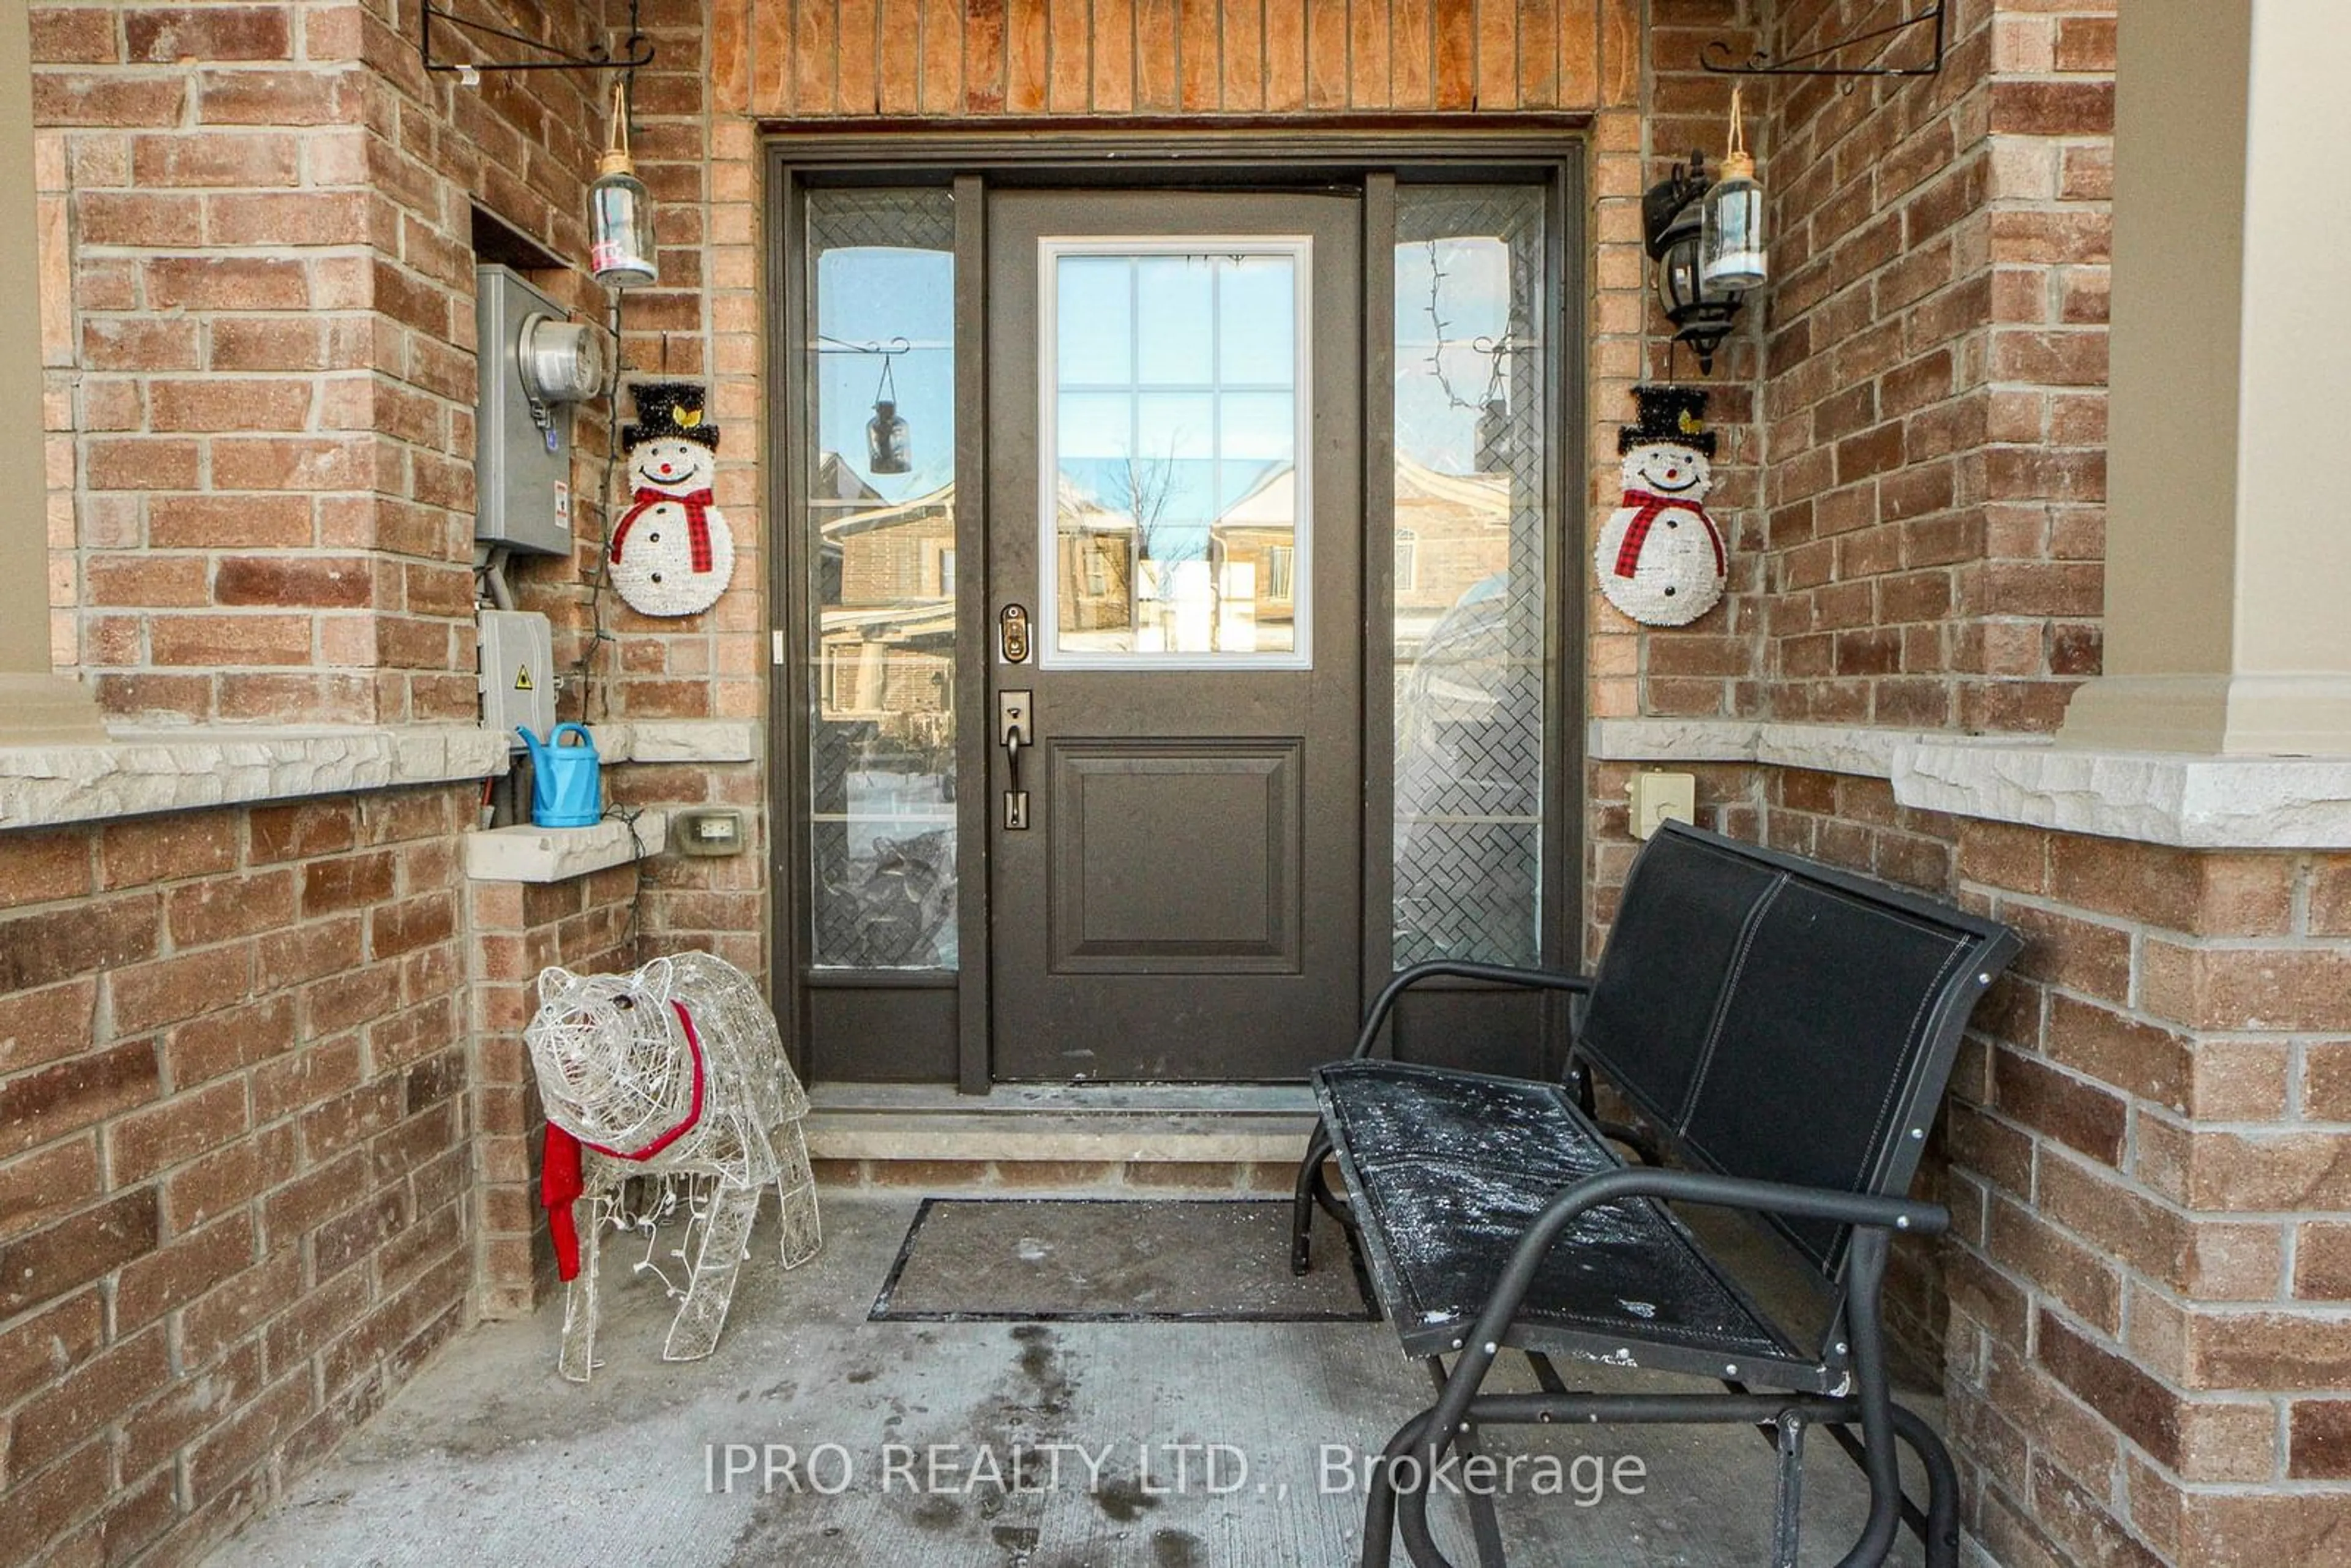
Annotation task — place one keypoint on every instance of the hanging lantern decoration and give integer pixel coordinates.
(620, 211)
(1707, 240)
(888, 447)
(1731, 255)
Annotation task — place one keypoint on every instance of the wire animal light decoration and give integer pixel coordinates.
(674, 1072)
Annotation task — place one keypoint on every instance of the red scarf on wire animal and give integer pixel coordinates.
(1651, 506)
(698, 521)
(560, 1180)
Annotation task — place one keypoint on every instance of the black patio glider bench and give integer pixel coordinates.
(1782, 1032)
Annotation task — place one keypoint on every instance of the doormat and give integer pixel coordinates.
(1117, 1260)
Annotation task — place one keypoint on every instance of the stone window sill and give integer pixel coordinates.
(2181, 799)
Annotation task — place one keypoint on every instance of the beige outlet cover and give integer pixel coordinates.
(1657, 797)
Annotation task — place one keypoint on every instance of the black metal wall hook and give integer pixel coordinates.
(1717, 56)
(639, 49)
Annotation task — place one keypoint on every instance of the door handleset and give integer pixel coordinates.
(1015, 728)
(1013, 720)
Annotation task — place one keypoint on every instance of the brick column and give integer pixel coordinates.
(2152, 1187)
(258, 290)
(2226, 551)
(519, 929)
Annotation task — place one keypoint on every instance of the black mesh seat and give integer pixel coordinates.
(1627, 1285)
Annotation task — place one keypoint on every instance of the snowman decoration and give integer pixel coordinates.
(672, 552)
(1661, 558)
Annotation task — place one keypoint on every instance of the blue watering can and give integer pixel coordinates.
(567, 782)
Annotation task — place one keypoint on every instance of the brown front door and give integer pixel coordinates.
(1175, 508)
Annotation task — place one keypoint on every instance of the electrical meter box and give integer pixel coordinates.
(534, 362)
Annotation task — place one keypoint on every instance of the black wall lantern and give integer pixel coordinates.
(1673, 218)
(1707, 238)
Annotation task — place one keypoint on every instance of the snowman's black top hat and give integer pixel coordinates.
(1669, 416)
(669, 411)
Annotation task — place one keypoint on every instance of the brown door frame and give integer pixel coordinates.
(1557, 148)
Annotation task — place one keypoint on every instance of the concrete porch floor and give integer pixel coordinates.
(489, 1457)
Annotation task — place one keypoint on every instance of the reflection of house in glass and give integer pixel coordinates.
(883, 752)
(886, 579)
(1133, 576)
(1129, 579)
(1453, 532)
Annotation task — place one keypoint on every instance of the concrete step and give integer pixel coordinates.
(1201, 1137)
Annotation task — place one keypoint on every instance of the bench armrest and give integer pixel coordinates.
(1908, 1216)
(1500, 974)
(1911, 1216)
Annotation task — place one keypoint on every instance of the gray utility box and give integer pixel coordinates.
(518, 673)
(534, 364)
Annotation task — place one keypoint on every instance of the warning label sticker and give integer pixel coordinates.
(522, 678)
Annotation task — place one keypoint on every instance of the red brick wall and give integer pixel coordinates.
(516, 930)
(1935, 371)
(2142, 1303)
(234, 1171)
(257, 285)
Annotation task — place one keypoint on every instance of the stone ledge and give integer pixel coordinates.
(1019, 1125)
(1041, 1135)
(2190, 802)
(677, 740)
(1853, 749)
(140, 772)
(526, 852)
(2181, 799)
